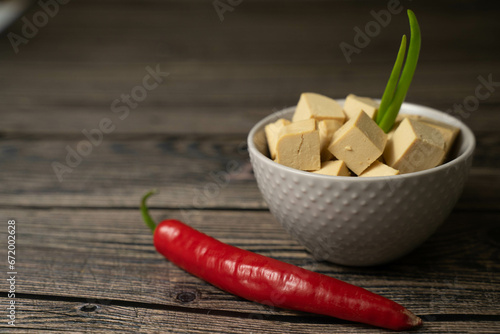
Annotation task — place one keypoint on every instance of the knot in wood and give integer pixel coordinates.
(186, 296)
(89, 308)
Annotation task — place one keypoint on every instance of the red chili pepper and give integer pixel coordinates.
(272, 282)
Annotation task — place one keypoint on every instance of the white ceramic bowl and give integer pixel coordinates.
(361, 221)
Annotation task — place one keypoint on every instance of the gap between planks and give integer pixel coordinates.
(300, 317)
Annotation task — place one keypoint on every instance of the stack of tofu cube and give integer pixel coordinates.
(326, 138)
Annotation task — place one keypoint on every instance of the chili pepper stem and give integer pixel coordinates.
(145, 212)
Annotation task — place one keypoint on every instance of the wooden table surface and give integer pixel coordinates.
(85, 261)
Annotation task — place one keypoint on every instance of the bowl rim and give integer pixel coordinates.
(469, 141)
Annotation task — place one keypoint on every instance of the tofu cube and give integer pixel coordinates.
(359, 142)
(326, 130)
(399, 119)
(319, 107)
(355, 104)
(272, 132)
(414, 146)
(333, 167)
(379, 169)
(298, 146)
(449, 132)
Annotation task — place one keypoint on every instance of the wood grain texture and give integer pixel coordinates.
(40, 316)
(108, 255)
(231, 98)
(196, 171)
(86, 262)
(229, 74)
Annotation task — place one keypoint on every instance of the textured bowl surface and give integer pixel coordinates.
(361, 221)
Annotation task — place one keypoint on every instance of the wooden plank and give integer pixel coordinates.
(107, 255)
(191, 171)
(213, 82)
(211, 98)
(219, 111)
(237, 73)
(235, 117)
(39, 316)
(148, 30)
(187, 171)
